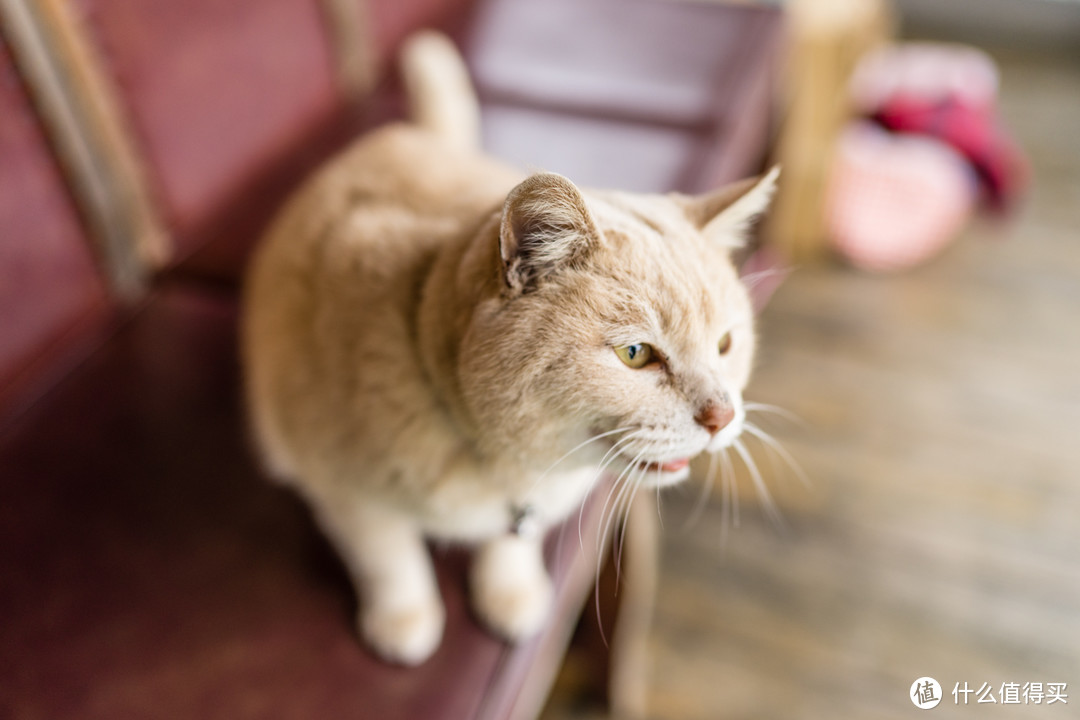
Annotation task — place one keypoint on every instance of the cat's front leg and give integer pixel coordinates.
(401, 614)
(511, 590)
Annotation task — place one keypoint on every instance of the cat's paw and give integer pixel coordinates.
(511, 590)
(405, 634)
(515, 611)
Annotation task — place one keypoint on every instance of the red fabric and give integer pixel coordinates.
(970, 128)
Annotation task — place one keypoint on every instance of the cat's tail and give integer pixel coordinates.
(441, 97)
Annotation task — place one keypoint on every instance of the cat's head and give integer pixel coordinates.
(615, 312)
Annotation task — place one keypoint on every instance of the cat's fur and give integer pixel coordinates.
(426, 334)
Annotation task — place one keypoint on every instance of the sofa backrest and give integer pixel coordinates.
(150, 138)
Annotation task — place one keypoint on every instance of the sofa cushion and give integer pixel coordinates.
(150, 570)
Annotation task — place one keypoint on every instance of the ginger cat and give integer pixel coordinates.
(428, 338)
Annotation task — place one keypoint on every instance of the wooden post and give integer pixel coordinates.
(826, 38)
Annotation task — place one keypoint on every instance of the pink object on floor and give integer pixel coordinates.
(932, 71)
(894, 201)
(948, 92)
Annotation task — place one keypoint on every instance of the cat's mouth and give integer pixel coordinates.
(661, 473)
(668, 466)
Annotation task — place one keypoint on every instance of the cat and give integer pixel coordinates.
(438, 347)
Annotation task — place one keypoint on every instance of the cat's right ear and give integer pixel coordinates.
(725, 214)
(545, 226)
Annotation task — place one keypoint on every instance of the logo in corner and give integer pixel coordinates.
(925, 693)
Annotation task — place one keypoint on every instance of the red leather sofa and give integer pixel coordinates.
(147, 569)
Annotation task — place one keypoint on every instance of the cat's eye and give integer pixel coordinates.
(725, 343)
(637, 355)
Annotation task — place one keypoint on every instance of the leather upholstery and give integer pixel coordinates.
(150, 571)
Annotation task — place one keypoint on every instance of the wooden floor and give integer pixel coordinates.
(941, 534)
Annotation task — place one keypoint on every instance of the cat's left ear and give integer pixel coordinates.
(724, 215)
(545, 226)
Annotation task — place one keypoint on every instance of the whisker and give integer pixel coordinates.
(612, 456)
(780, 450)
(659, 506)
(579, 446)
(727, 472)
(604, 526)
(725, 499)
(624, 474)
(616, 487)
(616, 511)
(605, 461)
(774, 410)
(626, 523)
(559, 558)
(703, 496)
(759, 484)
(752, 279)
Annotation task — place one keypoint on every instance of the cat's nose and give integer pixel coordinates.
(715, 416)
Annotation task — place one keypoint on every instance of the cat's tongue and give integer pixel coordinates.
(669, 466)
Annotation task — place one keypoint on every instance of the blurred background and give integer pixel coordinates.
(918, 281)
(940, 419)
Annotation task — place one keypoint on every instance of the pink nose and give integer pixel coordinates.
(714, 417)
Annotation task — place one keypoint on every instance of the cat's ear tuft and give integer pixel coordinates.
(545, 226)
(726, 214)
